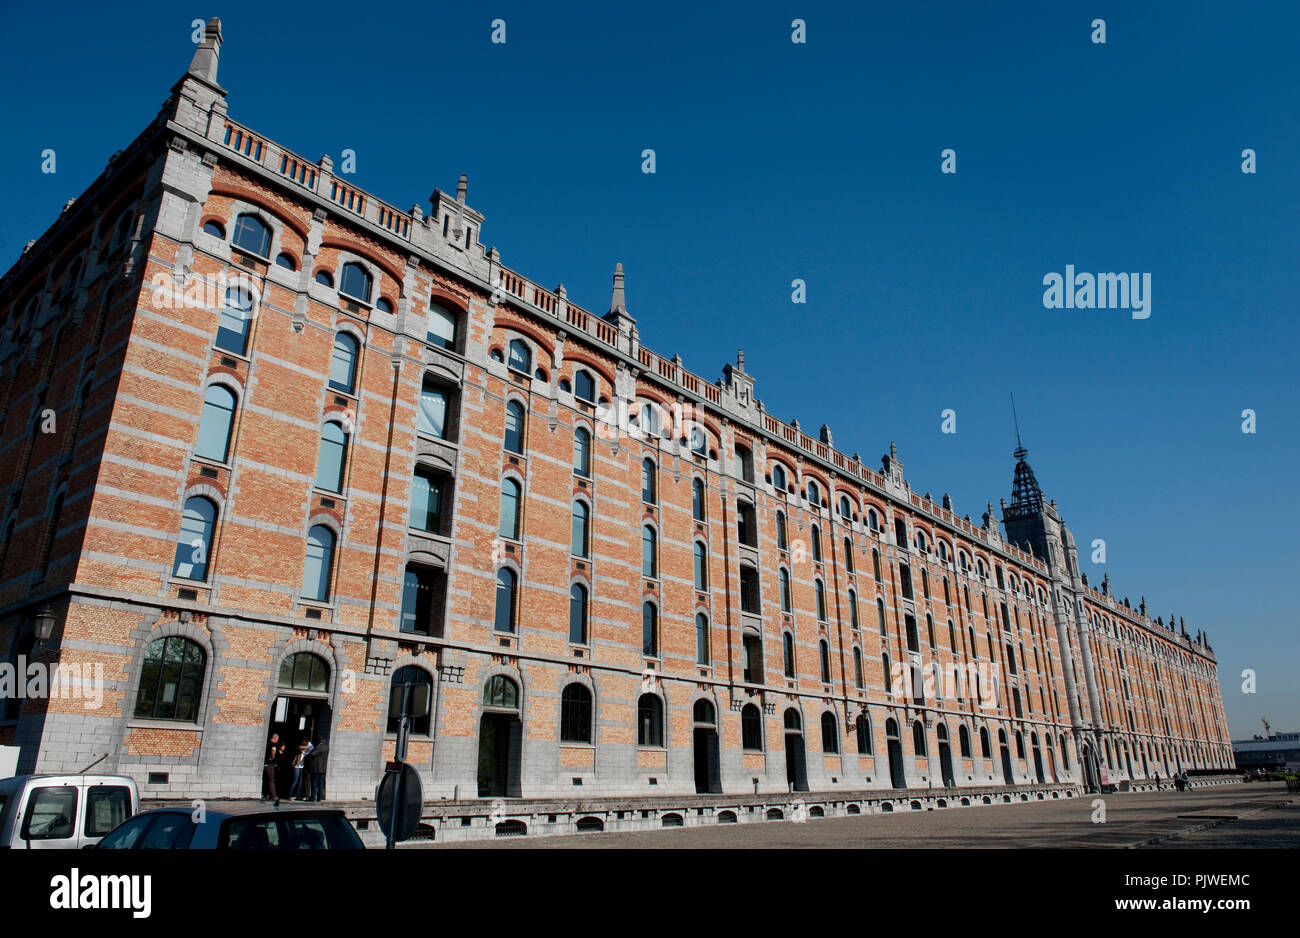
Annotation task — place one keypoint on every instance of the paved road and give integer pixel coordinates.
(1264, 817)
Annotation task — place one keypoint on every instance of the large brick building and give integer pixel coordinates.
(272, 447)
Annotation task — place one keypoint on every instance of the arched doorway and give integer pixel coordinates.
(945, 758)
(897, 774)
(1007, 775)
(796, 768)
(1038, 758)
(707, 777)
(1090, 775)
(500, 740)
(300, 710)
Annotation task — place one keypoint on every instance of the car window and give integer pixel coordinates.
(252, 834)
(126, 836)
(106, 807)
(166, 830)
(292, 832)
(51, 813)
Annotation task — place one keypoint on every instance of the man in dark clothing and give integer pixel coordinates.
(269, 768)
(316, 764)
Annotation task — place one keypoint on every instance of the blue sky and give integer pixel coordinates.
(821, 161)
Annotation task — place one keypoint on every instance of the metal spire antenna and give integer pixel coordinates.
(1020, 452)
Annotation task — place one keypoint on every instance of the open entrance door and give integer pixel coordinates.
(295, 719)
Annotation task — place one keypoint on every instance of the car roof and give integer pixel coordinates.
(16, 781)
(243, 809)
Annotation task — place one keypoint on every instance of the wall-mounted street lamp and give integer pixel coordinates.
(45, 624)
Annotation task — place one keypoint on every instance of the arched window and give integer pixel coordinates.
(701, 639)
(648, 480)
(509, 509)
(214, 228)
(782, 542)
(409, 687)
(920, 541)
(343, 366)
(581, 536)
(582, 452)
(853, 610)
(751, 728)
(520, 356)
(701, 567)
(319, 564)
(778, 478)
(873, 520)
(815, 537)
(575, 714)
(355, 281)
(824, 655)
(507, 588)
(649, 418)
(820, 590)
(171, 680)
(859, 681)
(986, 751)
(848, 554)
(324, 278)
(792, 722)
(649, 559)
(233, 324)
(333, 455)
(194, 545)
(925, 583)
(963, 740)
(285, 260)
(649, 721)
(918, 738)
(846, 509)
(699, 440)
(814, 494)
(305, 671)
(862, 728)
(649, 630)
(784, 577)
(441, 327)
(830, 733)
(880, 612)
(584, 387)
(787, 649)
(875, 563)
(252, 235)
(889, 677)
(578, 614)
(514, 438)
(697, 499)
(501, 692)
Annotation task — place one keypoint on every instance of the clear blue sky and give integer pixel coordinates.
(821, 161)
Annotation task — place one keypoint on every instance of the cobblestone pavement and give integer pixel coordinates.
(1232, 815)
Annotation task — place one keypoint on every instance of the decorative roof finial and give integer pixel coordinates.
(462, 189)
(207, 55)
(740, 359)
(618, 302)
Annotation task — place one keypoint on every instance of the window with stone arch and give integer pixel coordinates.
(171, 680)
(305, 671)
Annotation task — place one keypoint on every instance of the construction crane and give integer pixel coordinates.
(1268, 730)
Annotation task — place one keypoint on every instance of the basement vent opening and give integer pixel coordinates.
(159, 778)
(208, 472)
(229, 362)
(313, 613)
(188, 594)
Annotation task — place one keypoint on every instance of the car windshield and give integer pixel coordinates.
(290, 832)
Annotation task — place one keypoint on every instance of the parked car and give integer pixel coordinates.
(63, 811)
(235, 826)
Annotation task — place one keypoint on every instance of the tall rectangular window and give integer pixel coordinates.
(426, 501)
(433, 410)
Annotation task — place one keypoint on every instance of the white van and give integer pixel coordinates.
(63, 811)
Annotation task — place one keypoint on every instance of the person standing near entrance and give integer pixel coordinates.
(269, 767)
(299, 765)
(316, 765)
